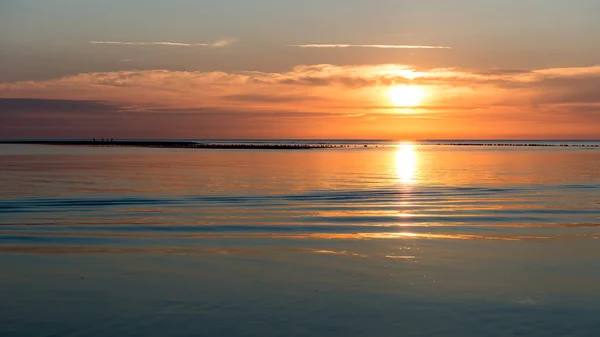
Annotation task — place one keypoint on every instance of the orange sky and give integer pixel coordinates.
(327, 101)
(409, 70)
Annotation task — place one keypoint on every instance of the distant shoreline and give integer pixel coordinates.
(177, 144)
(263, 145)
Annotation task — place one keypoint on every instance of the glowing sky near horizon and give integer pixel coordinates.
(300, 69)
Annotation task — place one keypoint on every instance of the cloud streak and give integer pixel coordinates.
(380, 46)
(219, 43)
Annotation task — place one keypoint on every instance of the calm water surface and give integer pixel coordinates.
(401, 239)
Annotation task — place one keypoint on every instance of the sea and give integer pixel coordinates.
(375, 238)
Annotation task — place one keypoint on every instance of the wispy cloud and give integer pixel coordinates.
(381, 46)
(219, 43)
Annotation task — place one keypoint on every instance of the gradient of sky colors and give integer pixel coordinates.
(299, 69)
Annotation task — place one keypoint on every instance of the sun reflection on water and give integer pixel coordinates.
(406, 163)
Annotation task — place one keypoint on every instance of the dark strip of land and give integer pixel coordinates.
(520, 144)
(264, 146)
(176, 144)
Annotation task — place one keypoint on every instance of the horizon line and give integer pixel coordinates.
(304, 139)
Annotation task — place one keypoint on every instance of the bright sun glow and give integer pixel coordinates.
(406, 95)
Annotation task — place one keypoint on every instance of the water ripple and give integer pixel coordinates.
(440, 212)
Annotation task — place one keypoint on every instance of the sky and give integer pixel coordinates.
(326, 69)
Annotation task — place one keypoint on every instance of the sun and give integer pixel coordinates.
(406, 95)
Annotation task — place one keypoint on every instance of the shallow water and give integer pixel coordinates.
(378, 241)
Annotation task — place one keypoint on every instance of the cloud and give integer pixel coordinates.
(219, 43)
(18, 105)
(223, 43)
(51, 118)
(40, 106)
(381, 46)
(334, 89)
(268, 98)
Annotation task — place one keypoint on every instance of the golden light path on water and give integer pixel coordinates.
(406, 163)
(406, 167)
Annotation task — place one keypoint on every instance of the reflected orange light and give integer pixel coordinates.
(406, 163)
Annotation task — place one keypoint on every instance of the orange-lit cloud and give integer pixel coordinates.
(323, 86)
(458, 102)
